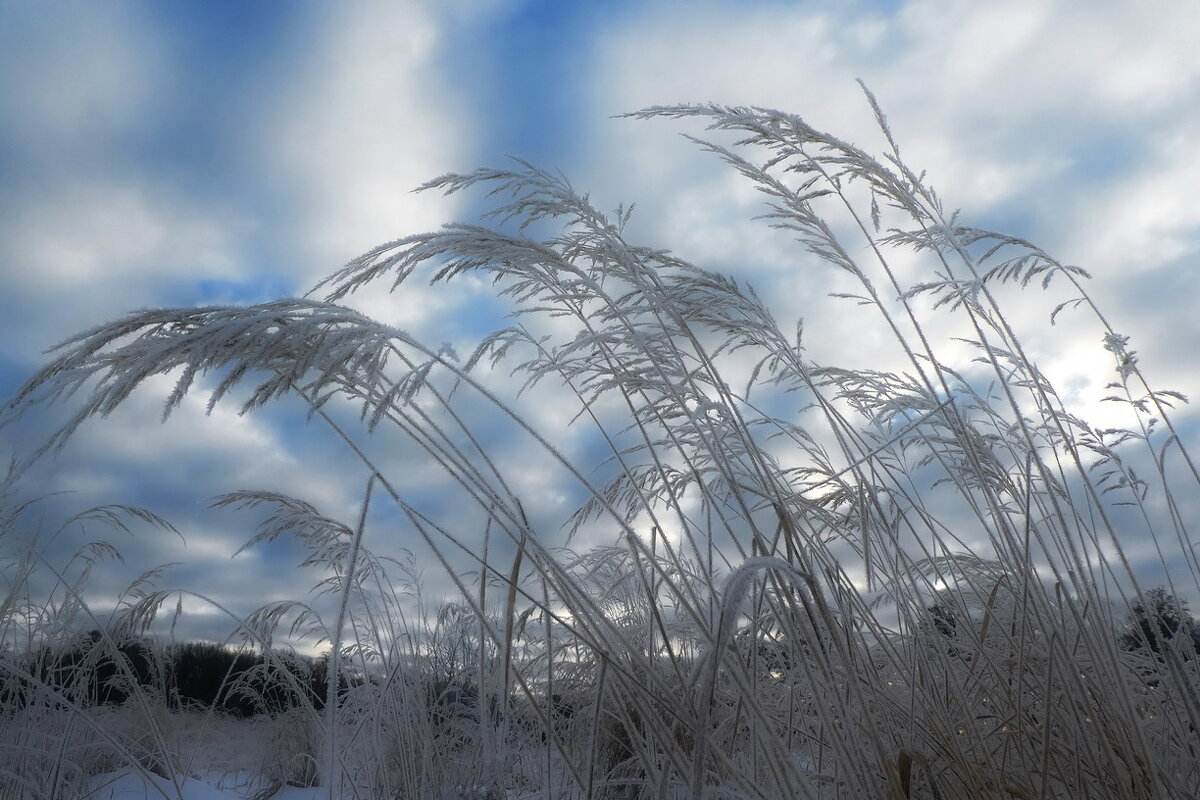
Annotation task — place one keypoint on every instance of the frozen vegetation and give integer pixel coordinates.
(815, 581)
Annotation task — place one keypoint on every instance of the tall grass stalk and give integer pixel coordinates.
(909, 588)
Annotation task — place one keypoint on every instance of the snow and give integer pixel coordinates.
(130, 784)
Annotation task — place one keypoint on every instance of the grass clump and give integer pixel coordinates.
(913, 587)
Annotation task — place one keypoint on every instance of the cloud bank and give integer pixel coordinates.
(194, 156)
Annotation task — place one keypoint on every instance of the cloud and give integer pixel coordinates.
(1064, 123)
(77, 85)
(1145, 218)
(176, 469)
(313, 159)
(971, 91)
(85, 252)
(112, 211)
(76, 77)
(365, 119)
(91, 230)
(997, 102)
(1068, 123)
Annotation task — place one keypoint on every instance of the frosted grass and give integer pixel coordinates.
(914, 587)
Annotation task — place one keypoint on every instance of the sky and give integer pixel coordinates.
(198, 153)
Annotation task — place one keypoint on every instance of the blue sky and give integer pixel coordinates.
(195, 153)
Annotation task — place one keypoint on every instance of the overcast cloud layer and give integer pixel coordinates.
(189, 154)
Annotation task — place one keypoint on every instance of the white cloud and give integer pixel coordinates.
(96, 232)
(74, 74)
(93, 232)
(367, 119)
(1147, 217)
(969, 88)
(993, 99)
(87, 251)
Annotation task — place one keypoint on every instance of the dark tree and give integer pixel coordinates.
(1157, 618)
(206, 673)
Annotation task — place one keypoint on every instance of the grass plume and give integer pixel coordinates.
(913, 588)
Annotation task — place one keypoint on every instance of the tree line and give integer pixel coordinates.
(94, 669)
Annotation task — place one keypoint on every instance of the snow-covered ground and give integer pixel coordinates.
(129, 784)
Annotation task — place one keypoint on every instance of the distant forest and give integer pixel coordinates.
(95, 669)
